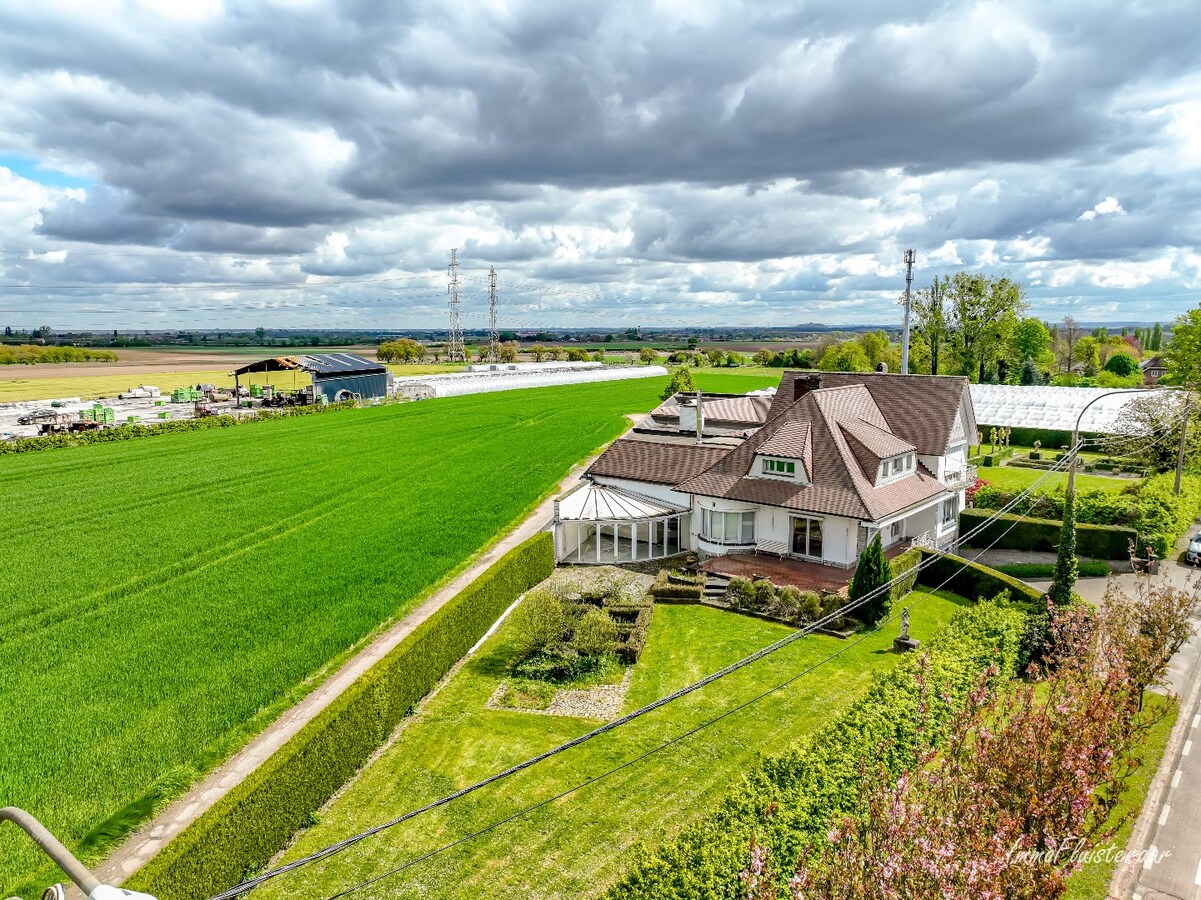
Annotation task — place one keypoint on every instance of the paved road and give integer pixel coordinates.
(1168, 832)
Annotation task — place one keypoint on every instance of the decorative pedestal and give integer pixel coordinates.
(904, 643)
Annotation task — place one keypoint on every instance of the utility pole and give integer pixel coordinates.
(910, 259)
(493, 334)
(454, 336)
(1188, 411)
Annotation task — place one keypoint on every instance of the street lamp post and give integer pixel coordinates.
(65, 859)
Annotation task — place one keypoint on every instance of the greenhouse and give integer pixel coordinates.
(425, 387)
(1051, 408)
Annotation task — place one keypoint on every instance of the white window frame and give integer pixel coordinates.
(952, 504)
(740, 522)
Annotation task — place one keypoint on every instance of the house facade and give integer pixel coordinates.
(812, 473)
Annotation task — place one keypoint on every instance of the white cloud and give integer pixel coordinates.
(1107, 207)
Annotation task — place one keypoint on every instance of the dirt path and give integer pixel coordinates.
(156, 833)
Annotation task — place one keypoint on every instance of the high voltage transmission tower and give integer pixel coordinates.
(493, 334)
(454, 335)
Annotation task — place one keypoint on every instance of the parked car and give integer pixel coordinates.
(33, 417)
(1193, 553)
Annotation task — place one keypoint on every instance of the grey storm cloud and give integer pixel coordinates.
(781, 146)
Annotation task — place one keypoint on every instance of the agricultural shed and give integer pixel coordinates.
(1048, 407)
(336, 375)
(423, 387)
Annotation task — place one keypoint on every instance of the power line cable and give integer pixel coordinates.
(339, 846)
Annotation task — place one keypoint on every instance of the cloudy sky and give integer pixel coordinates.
(197, 162)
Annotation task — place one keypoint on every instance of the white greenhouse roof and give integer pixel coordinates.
(1043, 406)
(456, 384)
(593, 502)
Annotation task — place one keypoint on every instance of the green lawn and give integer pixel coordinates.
(574, 847)
(164, 598)
(1016, 479)
(1092, 881)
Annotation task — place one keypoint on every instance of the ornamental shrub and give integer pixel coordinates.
(765, 595)
(740, 593)
(871, 575)
(595, 634)
(539, 622)
(665, 588)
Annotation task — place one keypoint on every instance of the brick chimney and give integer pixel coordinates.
(803, 384)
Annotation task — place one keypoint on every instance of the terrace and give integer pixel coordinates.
(780, 571)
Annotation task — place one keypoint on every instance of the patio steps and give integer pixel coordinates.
(715, 585)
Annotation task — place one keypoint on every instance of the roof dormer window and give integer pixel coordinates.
(784, 467)
(895, 467)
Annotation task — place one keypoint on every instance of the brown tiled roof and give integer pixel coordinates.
(838, 483)
(737, 410)
(920, 409)
(881, 442)
(791, 440)
(659, 463)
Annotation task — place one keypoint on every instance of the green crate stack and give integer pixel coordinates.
(256, 390)
(165, 414)
(133, 420)
(108, 415)
(86, 415)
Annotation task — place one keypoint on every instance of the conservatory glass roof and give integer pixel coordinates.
(1043, 406)
(593, 502)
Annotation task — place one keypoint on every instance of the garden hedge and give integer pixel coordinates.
(1009, 531)
(666, 589)
(1025, 437)
(904, 564)
(131, 432)
(974, 580)
(786, 802)
(246, 827)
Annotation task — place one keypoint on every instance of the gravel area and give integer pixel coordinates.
(601, 702)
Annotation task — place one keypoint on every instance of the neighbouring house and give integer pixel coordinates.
(812, 473)
(1154, 369)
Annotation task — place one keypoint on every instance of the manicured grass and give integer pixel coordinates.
(574, 846)
(164, 598)
(1092, 881)
(1016, 479)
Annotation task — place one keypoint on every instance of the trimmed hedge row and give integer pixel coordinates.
(786, 802)
(130, 432)
(1097, 541)
(247, 826)
(972, 579)
(1050, 439)
(903, 564)
(1088, 568)
(666, 589)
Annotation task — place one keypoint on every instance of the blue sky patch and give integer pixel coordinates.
(33, 170)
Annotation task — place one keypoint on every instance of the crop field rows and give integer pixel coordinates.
(165, 598)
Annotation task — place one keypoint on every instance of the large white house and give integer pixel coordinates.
(811, 473)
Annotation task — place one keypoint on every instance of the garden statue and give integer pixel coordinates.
(905, 643)
(1008, 435)
(1038, 445)
(992, 439)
